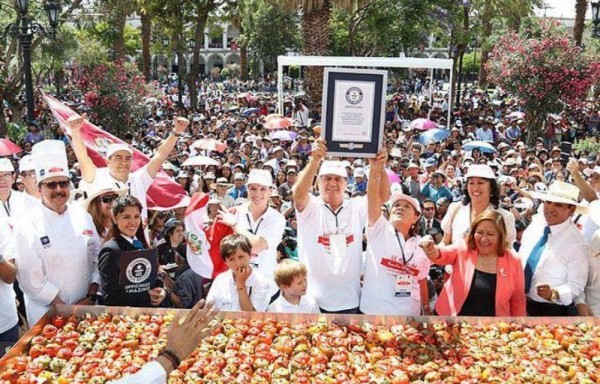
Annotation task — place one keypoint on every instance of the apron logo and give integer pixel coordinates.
(45, 240)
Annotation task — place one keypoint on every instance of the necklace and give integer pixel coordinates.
(487, 262)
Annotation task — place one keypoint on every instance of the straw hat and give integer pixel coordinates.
(220, 181)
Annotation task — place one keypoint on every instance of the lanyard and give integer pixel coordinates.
(128, 187)
(335, 214)
(255, 230)
(6, 206)
(402, 249)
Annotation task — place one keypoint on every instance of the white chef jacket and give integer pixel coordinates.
(224, 293)
(379, 285)
(591, 295)
(564, 262)
(458, 222)
(56, 255)
(8, 306)
(137, 186)
(269, 226)
(15, 207)
(335, 284)
(151, 373)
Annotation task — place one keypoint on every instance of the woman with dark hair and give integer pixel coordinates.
(173, 242)
(157, 225)
(125, 235)
(487, 278)
(396, 270)
(481, 193)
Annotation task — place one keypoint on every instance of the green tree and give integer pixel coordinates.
(269, 31)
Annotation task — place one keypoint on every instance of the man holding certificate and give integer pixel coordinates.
(330, 231)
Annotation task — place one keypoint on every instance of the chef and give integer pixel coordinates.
(14, 203)
(56, 243)
(9, 320)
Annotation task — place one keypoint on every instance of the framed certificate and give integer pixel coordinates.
(353, 111)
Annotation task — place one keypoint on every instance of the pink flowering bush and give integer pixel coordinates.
(114, 94)
(543, 67)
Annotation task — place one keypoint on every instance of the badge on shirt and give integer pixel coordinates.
(399, 268)
(403, 285)
(45, 241)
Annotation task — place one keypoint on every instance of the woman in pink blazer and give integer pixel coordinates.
(487, 279)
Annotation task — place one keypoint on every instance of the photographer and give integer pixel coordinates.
(300, 114)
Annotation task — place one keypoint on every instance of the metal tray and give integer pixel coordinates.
(22, 346)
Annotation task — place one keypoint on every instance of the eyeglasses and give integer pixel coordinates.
(107, 199)
(5, 176)
(64, 184)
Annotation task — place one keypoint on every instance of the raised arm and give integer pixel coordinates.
(587, 192)
(87, 166)
(306, 177)
(167, 146)
(375, 186)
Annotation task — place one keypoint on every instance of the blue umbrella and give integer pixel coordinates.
(483, 146)
(249, 111)
(433, 135)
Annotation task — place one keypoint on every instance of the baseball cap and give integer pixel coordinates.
(113, 148)
(238, 176)
(260, 177)
(26, 164)
(481, 170)
(333, 167)
(411, 200)
(6, 165)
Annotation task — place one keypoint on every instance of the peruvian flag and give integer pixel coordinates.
(163, 194)
(203, 253)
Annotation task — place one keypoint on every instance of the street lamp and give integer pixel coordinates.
(596, 18)
(24, 28)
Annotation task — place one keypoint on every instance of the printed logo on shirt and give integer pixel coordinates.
(45, 241)
(324, 241)
(88, 232)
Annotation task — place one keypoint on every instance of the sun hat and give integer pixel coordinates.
(220, 181)
(26, 164)
(480, 170)
(333, 167)
(239, 176)
(401, 196)
(98, 190)
(561, 192)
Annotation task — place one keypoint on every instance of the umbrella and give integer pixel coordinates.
(209, 145)
(279, 123)
(433, 135)
(392, 177)
(300, 95)
(271, 116)
(483, 146)
(423, 124)
(199, 160)
(517, 114)
(284, 135)
(8, 148)
(249, 111)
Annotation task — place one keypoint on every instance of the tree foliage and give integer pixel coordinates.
(543, 67)
(269, 30)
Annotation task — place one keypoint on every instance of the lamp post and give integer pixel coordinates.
(596, 18)
(24, 28)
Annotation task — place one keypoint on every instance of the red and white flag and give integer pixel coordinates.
(164, 193)
(203, 252)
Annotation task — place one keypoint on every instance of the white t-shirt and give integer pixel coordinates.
(334, 281)
(138, 184)
(379, 294)
(8, 314)
(56, 255)
(458, 222)
(269, 226)
(225, 295)
(307, 304)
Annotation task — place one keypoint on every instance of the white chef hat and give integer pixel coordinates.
(50, 159)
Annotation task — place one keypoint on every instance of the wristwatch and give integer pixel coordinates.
(554, 296)
(93, 298)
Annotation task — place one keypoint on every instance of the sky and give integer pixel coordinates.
(561, 8)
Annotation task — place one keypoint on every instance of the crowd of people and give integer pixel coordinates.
(425, 227)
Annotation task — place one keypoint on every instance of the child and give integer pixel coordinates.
(239, 288)
(290, 277)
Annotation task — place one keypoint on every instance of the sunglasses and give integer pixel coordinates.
(429, 208)
(107, 199)
(64, 184)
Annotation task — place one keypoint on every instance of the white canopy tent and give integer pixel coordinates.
(369, 62)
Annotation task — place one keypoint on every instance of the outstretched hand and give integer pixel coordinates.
(184, 336)
(76, 122)
(319, 150)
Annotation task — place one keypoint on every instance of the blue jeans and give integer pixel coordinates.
(8, 339)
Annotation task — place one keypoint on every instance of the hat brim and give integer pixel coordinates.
(91, 196)
(579, 207)
(214, 185)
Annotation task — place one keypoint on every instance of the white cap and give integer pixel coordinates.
(26, 164)
(238, 176)
(50, 159)
(260, 177)
(6, 165)
(401, 196)
(359, 172)
(480, 170)
(113, 148)
(333, 167)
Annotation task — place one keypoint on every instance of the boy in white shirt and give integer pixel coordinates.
(239, 288)
(290, 277)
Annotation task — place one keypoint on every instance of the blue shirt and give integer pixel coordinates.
(430, 192)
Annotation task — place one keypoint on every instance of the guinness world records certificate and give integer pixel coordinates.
(353, 111)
